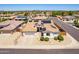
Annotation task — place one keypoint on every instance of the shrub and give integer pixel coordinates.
(35, 20)
(42, 39)
(60, 38)
(1, 20)
(30, 20)
(46, 39)
(76, 23)
(55, 38)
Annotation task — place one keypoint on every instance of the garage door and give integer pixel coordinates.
(29, 35)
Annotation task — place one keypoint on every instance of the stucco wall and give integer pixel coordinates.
(52, 35)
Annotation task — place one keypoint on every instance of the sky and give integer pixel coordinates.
(23, 7)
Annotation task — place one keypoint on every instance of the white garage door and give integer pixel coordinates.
(29, 35)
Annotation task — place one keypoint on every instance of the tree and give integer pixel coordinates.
(26, 14)
(54, 13)
(76, 23)
(62, 14)
(45, 13)
(70, 13)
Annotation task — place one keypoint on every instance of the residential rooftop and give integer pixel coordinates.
(39, 17)
(50, 28)
(12, 25)
(69, 17)
(29, 27)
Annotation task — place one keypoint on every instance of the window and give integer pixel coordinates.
(48, 34)
(42, 34)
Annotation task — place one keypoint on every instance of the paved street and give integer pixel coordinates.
(39, 51)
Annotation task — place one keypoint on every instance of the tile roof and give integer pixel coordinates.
(13, 25)
(29, 27)
(51, 28)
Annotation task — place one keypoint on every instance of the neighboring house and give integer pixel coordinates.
(20, 18)
(38, 17)
(68, 18)
(76, 15)
(10, 26)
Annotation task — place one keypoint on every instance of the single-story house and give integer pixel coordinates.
(29, 28)
(20, 17)
(68, 18)
(51, 31)
(10, 26)
(76, 15)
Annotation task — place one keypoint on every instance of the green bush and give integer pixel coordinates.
(46, 39)
(60, 38)
(30, 20)
(55, 38)
(35, 20)
(1, 20)
(42, 39)
(76, 23)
